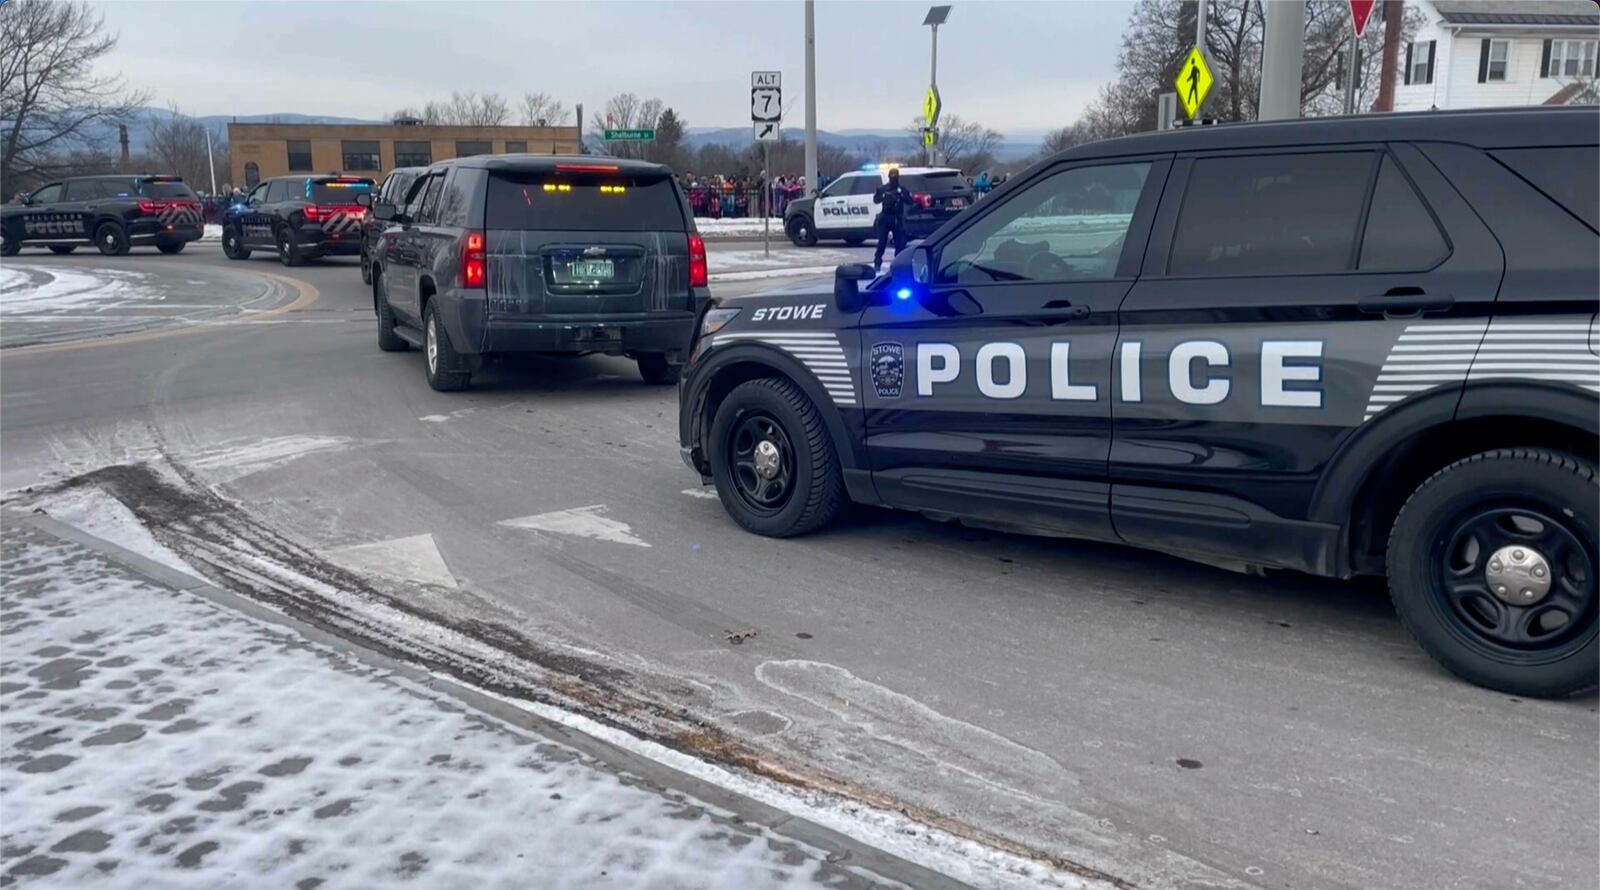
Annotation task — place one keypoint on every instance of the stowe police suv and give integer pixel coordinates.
(845, 211)
(1345, 346)
(113, 213)
(301, 217)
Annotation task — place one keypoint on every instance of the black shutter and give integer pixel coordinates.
(1544, 61)
(1432, 45)
(1409, 48)
(1483, 61)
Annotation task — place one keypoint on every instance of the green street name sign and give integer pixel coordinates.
(630, 135)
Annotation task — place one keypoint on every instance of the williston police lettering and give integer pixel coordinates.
(53, 224)
(1197, 372)
(845, 210)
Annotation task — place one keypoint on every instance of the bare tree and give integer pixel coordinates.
(625, 111)
(543, 110)
(461, 110)
(52, 102)
(177, 144)
(966, 145)
(1070, 136)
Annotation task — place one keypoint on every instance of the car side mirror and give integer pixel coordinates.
(27, 200)
(385, 211)
(847, 286)
(364, 199)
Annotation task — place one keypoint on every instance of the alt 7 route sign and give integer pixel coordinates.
(1360, 11)
(1193, 83)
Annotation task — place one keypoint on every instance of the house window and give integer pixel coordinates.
(1571, 58)
(252, 174)
(516, 146)
(1499, 60)
(361, 155)
(466, 148)
(412, 154)
(299, 155)
(1419, 62)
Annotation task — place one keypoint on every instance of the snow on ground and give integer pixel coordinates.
(32, 290)
(103, 516)
(213, 232)
(752, 264)
(735, 227)
(155, 739)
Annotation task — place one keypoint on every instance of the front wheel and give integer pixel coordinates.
(1492, 567)
(446, 371)
(802, 232)
(232, 247)
(388, 340)
(773, 461)
(170, 249)
(656, 369)
(366, 268)
(111, 239)
(63, 248)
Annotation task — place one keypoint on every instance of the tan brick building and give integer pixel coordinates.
(261, 151)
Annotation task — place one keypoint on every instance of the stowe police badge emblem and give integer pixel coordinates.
(888, 369)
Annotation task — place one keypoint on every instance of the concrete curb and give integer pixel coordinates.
(840, 847)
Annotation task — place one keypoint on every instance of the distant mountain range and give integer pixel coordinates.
(867, 141)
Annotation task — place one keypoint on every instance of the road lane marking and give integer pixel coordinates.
(414, 559)
(583, 522)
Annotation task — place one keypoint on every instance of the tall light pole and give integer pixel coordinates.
(937, 16)
(811, 96)
(1283, 51)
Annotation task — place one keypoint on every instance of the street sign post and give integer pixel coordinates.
(1360, 11)
(629, 135)
(1193, 83)
(766, 118)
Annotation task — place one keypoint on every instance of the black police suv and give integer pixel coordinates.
(300, 217)
(844, 211)
(539, 254)
(393, 190)
(1344, 346)
(114, 213)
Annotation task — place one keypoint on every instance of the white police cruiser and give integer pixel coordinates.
(844, 211)
(1347, 346)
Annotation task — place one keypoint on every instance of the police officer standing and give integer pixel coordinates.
(893, 197)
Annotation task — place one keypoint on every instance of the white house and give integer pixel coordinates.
(1485, 53)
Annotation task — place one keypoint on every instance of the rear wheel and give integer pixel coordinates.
(773, 461)
(802, 232)
(1492, 567)
(111, 239)
(63, 248)
(366, 268)
(8, 247)
(171, 248)
(232, 247)
(388, 340)
(289, 247)
(445, 369)
(656, 369)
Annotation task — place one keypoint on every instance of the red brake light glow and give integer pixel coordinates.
(697, 261)
(587, 168)
(472, 261)
(923, 200)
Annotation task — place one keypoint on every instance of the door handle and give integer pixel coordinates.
(1063, 310)
(1405, 302)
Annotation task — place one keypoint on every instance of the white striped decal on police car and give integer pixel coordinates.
(1430, 355)
(819, 352)
(342, 223)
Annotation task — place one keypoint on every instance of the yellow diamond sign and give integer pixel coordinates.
(1194, 82)
(931, 106)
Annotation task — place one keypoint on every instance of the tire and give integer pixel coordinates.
(802, 231)
(779, 413)
(63, 248)
(9, 247)
(366, 268)
(1442, 558)
(170, 249)
(232, 247)
(288, 247)
(657, 370)
(443, 365)
(111, 239)
(388, 340)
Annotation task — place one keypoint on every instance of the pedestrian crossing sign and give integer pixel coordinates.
(1194, 82)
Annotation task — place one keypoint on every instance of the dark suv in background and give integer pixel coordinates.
(394, 189)
(539, 254)
(301, 217)
(114, 213)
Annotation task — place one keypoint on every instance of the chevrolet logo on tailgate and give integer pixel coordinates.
(594, 251)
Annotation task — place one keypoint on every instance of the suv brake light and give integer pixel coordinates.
(697, 261)
(923, 200)
(472, 261)
(151, 208)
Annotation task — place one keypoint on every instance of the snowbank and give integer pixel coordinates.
(27, 290)
(728, 228)
(213, 232)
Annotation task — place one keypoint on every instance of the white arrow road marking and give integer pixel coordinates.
(585, 522)
(416, 558)
(707, 493)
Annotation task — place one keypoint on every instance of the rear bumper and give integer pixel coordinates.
(668, 332)
(316, 242)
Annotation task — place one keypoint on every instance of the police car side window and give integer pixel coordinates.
(259, 194)
(866, 185)
(1067, 227)
(1401, 234)
(1278, 214)
(50, 194)
(840, 187)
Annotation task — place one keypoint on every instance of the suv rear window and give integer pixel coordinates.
(165, 188)
(944, 182)
(584, 203)
(338, 191)
(1569, 176)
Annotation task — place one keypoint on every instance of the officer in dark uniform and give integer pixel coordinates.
(893, 197)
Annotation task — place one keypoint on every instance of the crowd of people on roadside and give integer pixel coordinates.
(732, 197)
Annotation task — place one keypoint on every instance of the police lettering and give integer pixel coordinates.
(844, 210)
(53, 224)
(789, 313)
(1198, 372)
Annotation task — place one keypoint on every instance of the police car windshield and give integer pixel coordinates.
(584, 202)
(337, 191)
(165, 188)
(942, 182)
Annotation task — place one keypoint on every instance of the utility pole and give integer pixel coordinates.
(811, 95)
(1393, 23)
(211, 161)
(1201, 12)
(937, 16)
(1283, 52)
(1352, 74)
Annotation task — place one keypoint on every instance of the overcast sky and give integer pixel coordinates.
(1018, 67)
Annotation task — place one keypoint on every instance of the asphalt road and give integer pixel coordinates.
(1166, 723)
